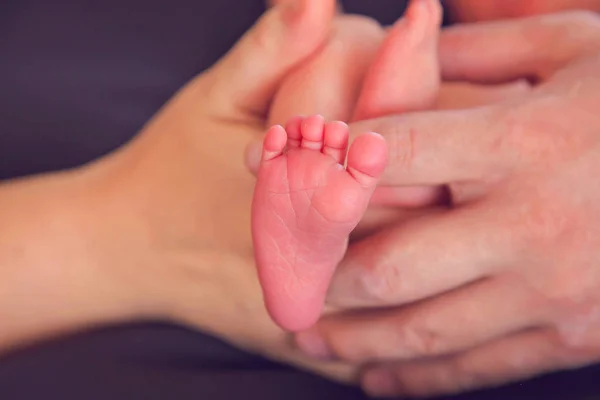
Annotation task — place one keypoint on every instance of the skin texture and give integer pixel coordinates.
(160, 228)
(124, 238)
(367, 76)
(295, 268)
(503, 285)
(305, 205)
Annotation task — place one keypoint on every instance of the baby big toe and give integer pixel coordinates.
(367, 158)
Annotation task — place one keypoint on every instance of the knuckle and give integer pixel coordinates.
(523, 134)
(543, 232)
(383, 284)
(537, 133)
(566, 349)
(512, 126)
(546, 221)
(542, 224)
(380, 278)
(569, 341)
(498, 144)
(401, 144)
(564, 293)
(544, 228)
(575, 331)
(520, 137)
(420, 340)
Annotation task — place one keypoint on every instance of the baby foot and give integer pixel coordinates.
(305, 205)
(405, 75)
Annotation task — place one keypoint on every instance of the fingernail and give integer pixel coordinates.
(313, 345)
(381, 383)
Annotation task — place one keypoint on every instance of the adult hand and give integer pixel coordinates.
(187, 186)
(161, 228)
(504, 284)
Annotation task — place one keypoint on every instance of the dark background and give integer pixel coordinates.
(78, 79)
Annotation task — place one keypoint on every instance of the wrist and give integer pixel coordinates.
(154, 242)
(52, 253)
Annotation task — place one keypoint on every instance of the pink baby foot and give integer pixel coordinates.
(405, 75)
(305, 205)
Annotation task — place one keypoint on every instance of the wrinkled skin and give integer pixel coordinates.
(505, 283)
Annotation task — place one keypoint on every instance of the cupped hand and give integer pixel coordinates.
(179, 195)
(505, 283)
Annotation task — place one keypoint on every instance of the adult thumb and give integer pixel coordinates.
(245, 80)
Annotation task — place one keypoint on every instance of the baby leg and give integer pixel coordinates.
(405, 75)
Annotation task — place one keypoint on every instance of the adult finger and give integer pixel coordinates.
(512, 358)
(423, 257)
(405, 196)
(246, 79)
(440, 147)
(461, 95)
(447, 324)
(378, 218)
(533, 47)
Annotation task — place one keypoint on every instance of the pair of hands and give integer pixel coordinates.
(504, 284)
(501, 286)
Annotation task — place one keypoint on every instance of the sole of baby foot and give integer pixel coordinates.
(306, 204)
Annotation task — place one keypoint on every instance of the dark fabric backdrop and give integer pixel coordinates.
(78, 79)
